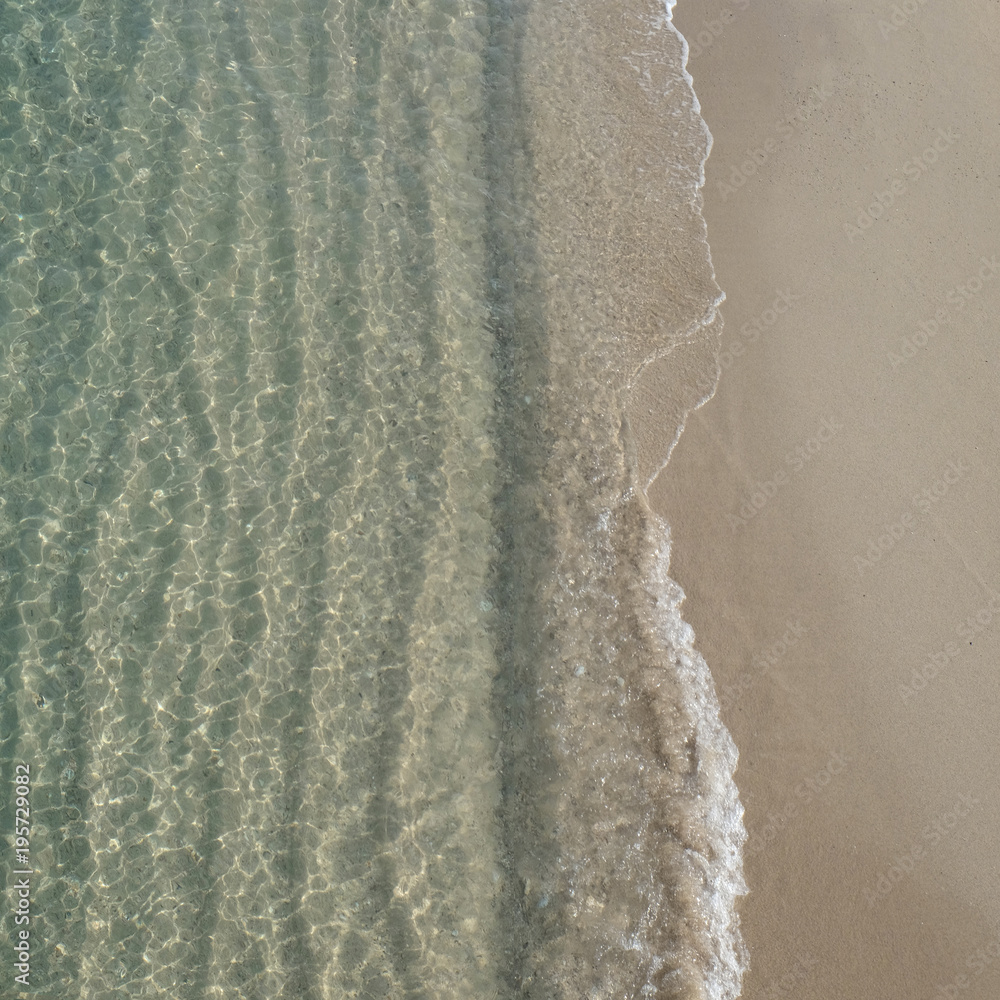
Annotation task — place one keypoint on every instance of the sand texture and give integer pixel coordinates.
(834, 505)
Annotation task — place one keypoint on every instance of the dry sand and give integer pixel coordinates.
(872, 810)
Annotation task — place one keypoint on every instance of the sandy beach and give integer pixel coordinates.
(833, 506)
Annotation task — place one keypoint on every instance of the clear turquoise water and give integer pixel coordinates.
(336, 631)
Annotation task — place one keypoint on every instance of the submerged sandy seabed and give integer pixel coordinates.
(833, 506)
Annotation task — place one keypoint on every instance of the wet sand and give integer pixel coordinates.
(834, 505)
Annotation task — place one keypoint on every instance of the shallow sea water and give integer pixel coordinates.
(336, 631)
